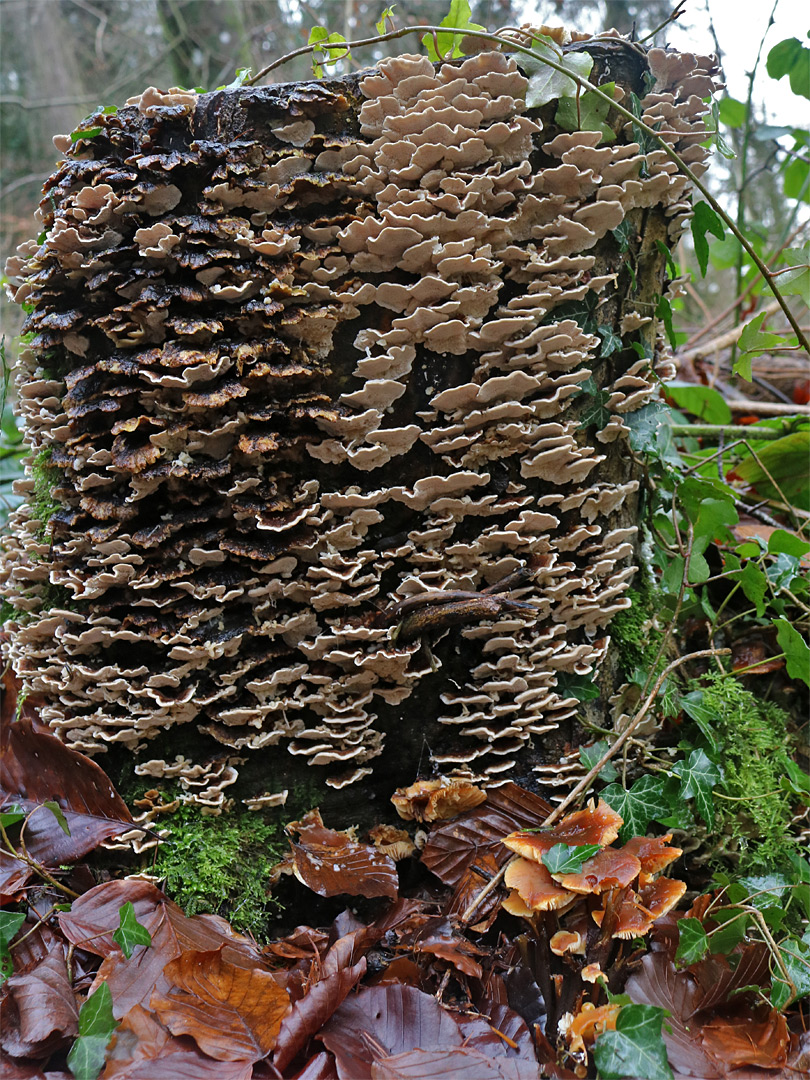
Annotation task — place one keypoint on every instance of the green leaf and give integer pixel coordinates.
(624, 233)
(705, 220)
(765, 890)
(546, 84)
(730, 933)
(692, 704)
(635, 1048)
(663, 311)
(130, 932)
(754, 341)
(611, 341)
(591, 116)
(642, 803)
(388, 13)
(795, 648)
(596, 412)
(703, 402)
(651, 432)
(785, 460)
(699, 774)
(330, 48)
(56, 810)
(583, 312)
(11, 815)
(565, 859)
(10, 923)
(753, 583)
(791, 58)
(241, 77)
(449, 45)
(88, 133)
(796, 281)
(693, 944)
(732, 112)
(96, 1026)
(795, 956)
(577, 686)
(796, 179)
(589, 755)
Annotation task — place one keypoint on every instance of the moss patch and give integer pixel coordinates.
(756, 743)
(635, 636)
(221, 865)
(45, 476)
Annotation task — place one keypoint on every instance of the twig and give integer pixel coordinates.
(730, 337)
(717, 431)
(591, 775)
(38, 868)
(673, 15)
(36, 926)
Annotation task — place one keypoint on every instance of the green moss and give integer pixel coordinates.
(45, 476)
(756, 743)
(221, 865)
(634, 633)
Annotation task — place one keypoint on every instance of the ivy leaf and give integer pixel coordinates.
(56, 810)
(130, 932)
(449, 45)
(240, 78)
(624, 233)
(795, 956)
(96, 1026)
(753, 583)
(546, 84)
(705, 220)
(795, 648)
(88, 133)
(791, 58)
(590, 116)
(565, 859)
(639, 805)
(635, 1048)
(388, 13)
(577, 686)
(781, 541)
(692, 704)
(699, 774)
(693, 943)
(611, 341)
(10, 923)
(583, 312)
(734, 924)
(596, 411)
(589, 755)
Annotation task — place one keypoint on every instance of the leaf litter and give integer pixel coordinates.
(121, 984)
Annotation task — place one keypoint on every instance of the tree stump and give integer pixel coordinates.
(326, 393)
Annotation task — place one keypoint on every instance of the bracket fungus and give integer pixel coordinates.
(301, 354)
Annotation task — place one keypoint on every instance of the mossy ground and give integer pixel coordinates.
(221, 865)
(635, 635)
(756, 744)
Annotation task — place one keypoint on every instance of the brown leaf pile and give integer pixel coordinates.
(405, 991)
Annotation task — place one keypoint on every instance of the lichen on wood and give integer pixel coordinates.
(320, 354)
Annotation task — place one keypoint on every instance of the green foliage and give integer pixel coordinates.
(96, 1027)
(568, 859)
(448, 46)
(638, 805)
(693, 942)
(10, 923)
(704, 220)
(221, 865)
(587, 112)
(589, 755)
(752, 743)
(791, 58)
(635, 1048)
(330, 48)
(637, 639)
(546, 83)
(45, 476)
(130, 932)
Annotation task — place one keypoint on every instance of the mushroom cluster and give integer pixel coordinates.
(301, 355)
(622, 884)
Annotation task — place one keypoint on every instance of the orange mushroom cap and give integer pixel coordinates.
(536, 886)
(593, 825)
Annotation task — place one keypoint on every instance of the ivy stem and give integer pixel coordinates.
(591, 775)
(730, 431)
(584, 84)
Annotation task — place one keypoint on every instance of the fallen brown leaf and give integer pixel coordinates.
(331, 862)
(232, 1013)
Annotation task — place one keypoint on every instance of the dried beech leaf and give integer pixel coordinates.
(453, 848)
(438, 938)
(233, 1014)
(13, 877)
(460, 1063)
(47, 1015)
(744, 1039)
(309, 1014)
(383, 1021)
(331, 863)
(33, 768)
(436, 800)
(141, 1042)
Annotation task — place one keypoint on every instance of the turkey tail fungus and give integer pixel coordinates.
(326, 392)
